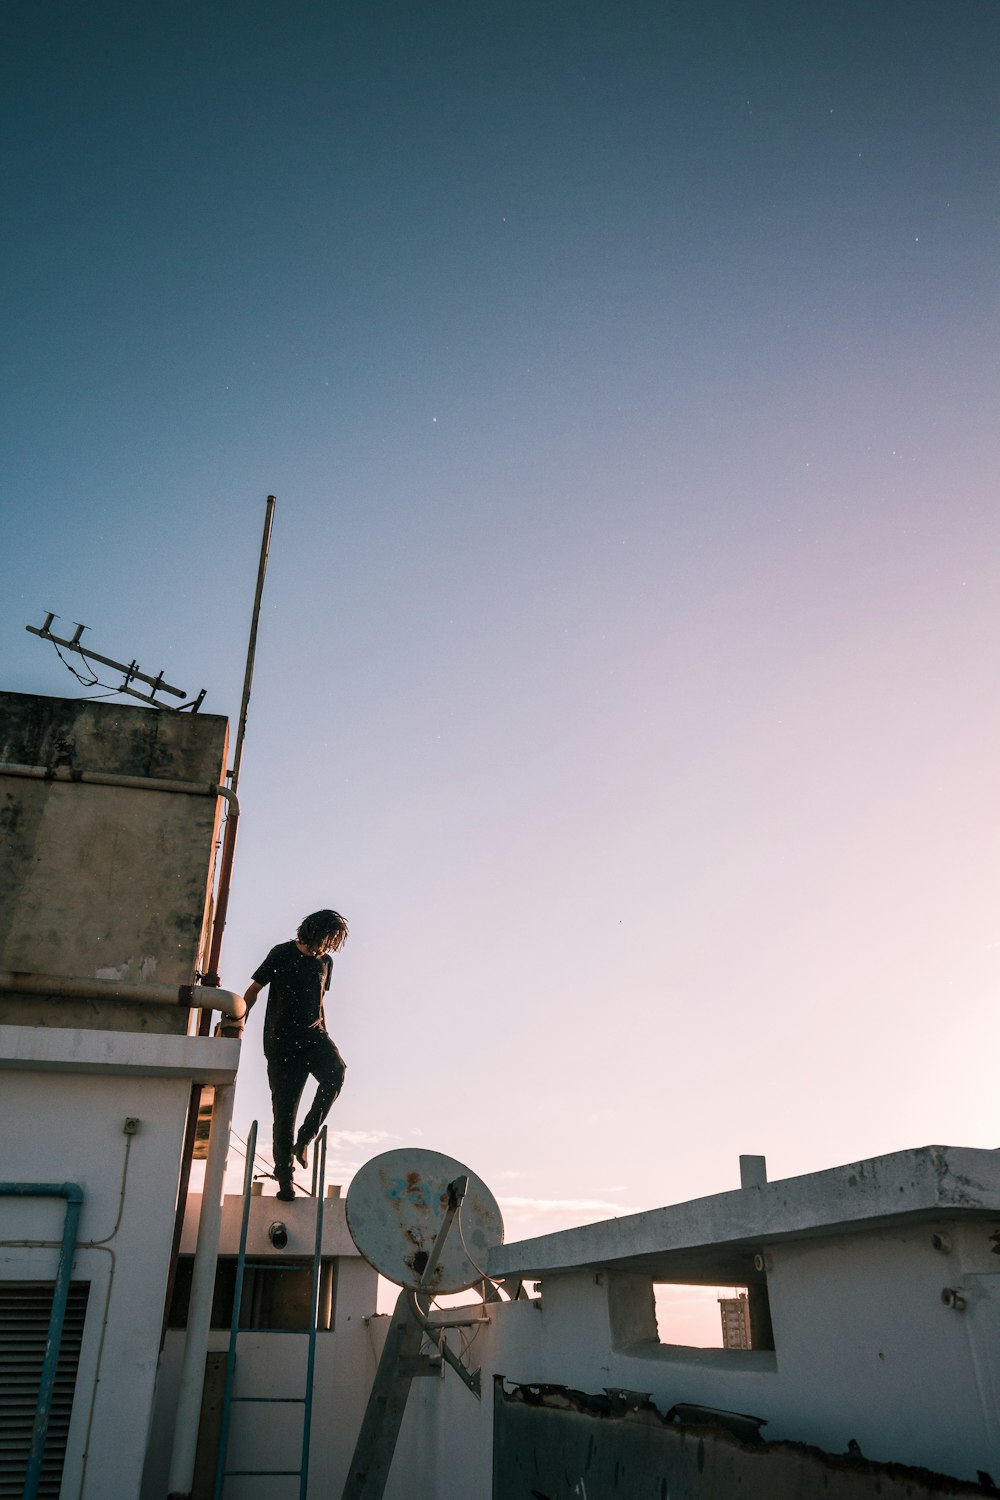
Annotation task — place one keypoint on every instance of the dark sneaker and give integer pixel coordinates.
(286, 1191)
(301, 1154)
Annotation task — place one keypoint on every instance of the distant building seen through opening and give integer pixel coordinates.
(689, 1315)
(735, 1313)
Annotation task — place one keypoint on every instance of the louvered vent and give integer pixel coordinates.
(24, 1324)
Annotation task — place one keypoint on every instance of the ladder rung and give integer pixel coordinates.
(259, 1473)
(295, 1332)
(277, 1265)
(267, 1398)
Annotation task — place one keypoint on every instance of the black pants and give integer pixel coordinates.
(287, 1071)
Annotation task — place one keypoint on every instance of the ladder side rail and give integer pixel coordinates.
(319, 1180)
(234, 1322)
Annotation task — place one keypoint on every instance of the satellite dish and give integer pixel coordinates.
(396, 1207)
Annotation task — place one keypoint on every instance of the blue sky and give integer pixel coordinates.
(628, 380)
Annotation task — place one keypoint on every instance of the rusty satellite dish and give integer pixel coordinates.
(398, 1204)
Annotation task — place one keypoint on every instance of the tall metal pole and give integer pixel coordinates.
(252, 647)
(232, 820)
(211, 976)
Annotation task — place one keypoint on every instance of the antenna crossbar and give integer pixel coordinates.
(129, 669)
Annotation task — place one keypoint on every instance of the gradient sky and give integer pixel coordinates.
(628, 376)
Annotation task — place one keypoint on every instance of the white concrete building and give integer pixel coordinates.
(881, 1281)
(106, 1112)
(109, 819)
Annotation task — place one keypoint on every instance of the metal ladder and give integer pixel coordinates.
(306, 1400)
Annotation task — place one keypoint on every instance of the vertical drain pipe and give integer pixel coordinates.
(200, 1310)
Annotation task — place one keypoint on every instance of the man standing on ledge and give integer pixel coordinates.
(296, 1043)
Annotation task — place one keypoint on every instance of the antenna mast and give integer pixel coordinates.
(211, 977)
(265, 543)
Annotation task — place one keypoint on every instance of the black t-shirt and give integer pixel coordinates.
(295, 1001)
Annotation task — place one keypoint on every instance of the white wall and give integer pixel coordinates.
(865, 1350)
(62, 1125)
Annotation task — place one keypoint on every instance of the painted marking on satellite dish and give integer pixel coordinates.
(402, 1203)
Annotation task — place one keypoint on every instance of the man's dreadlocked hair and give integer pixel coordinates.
(326, 927)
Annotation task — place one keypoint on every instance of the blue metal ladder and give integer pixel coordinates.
(306, 1400)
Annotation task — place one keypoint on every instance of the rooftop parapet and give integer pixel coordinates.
(714, 1240)
(109, 820)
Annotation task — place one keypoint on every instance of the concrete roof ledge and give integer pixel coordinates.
(49, 1049)
(929, 1182)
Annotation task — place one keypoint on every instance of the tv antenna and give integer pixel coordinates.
(130, 670)
(422, 1220)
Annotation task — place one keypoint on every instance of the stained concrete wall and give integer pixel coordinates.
(105, 882)
(566, 1443)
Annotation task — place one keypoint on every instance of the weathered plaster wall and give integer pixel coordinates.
(558, 1443)
(105, 882)
(862, 1318)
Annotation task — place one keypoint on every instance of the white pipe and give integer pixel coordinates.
(61, 986)
(108, 778)
(202, 1291)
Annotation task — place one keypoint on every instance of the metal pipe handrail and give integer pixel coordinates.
(187, 996)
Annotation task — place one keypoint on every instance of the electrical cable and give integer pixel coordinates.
(467, 1342)
(263, 1167)
(484, 1275)
(259, 1155)
(95, 681)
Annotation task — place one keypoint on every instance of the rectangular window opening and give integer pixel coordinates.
(275, 1297)
(703, 1317)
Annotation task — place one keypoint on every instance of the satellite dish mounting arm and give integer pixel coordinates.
(419, 1302)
